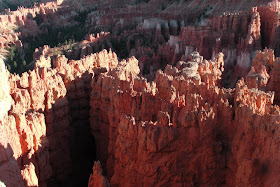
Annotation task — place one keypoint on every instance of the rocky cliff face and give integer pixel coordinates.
(164, 116)
(48, 114)
(10, 173)
(182, 128)
(179, 129)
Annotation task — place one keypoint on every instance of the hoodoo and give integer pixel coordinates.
(139, 93)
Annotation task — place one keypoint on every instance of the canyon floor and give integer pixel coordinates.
(139, 93)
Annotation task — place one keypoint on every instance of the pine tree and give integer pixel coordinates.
(15, 64)
(9, 67)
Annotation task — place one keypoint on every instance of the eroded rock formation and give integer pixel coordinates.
(96, 178)
(10, 173)
(194, 133)
(195, 104)
(48, 106)
(182, 128)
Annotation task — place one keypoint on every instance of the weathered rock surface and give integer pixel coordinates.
(96, 178)
(155, 144)
(177, 127)
(182, 128)
(10, 173)
(47, 108)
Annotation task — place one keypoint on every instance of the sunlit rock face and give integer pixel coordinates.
(9, 170)
(183, 118)
(5, 98)
(44, 112)
(187, 94)
(156, 128)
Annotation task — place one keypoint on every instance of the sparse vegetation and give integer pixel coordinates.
(142, 1)
(53, 38)
(14, 60)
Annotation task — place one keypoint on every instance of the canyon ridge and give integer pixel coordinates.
(139, 93)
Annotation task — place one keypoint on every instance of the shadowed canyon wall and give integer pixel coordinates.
(173, 118)
(182, 129)
(179, 129)
(48, 123)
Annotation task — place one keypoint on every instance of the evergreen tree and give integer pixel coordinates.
(9, 67)
(15, 64)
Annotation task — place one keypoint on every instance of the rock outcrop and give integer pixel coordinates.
(96, 178)
(189, 106)
(10, 147)
(155, 144)
(182, 128)
(47, 108)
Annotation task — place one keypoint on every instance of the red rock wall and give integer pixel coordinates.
(182, 129)
(49, 114)
(240, 29)
(179, 129)
(269, 22)
(39, 99)
(96, 178)
(10, 147)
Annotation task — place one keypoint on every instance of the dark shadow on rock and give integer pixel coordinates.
(10, 173)
(82, 142)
